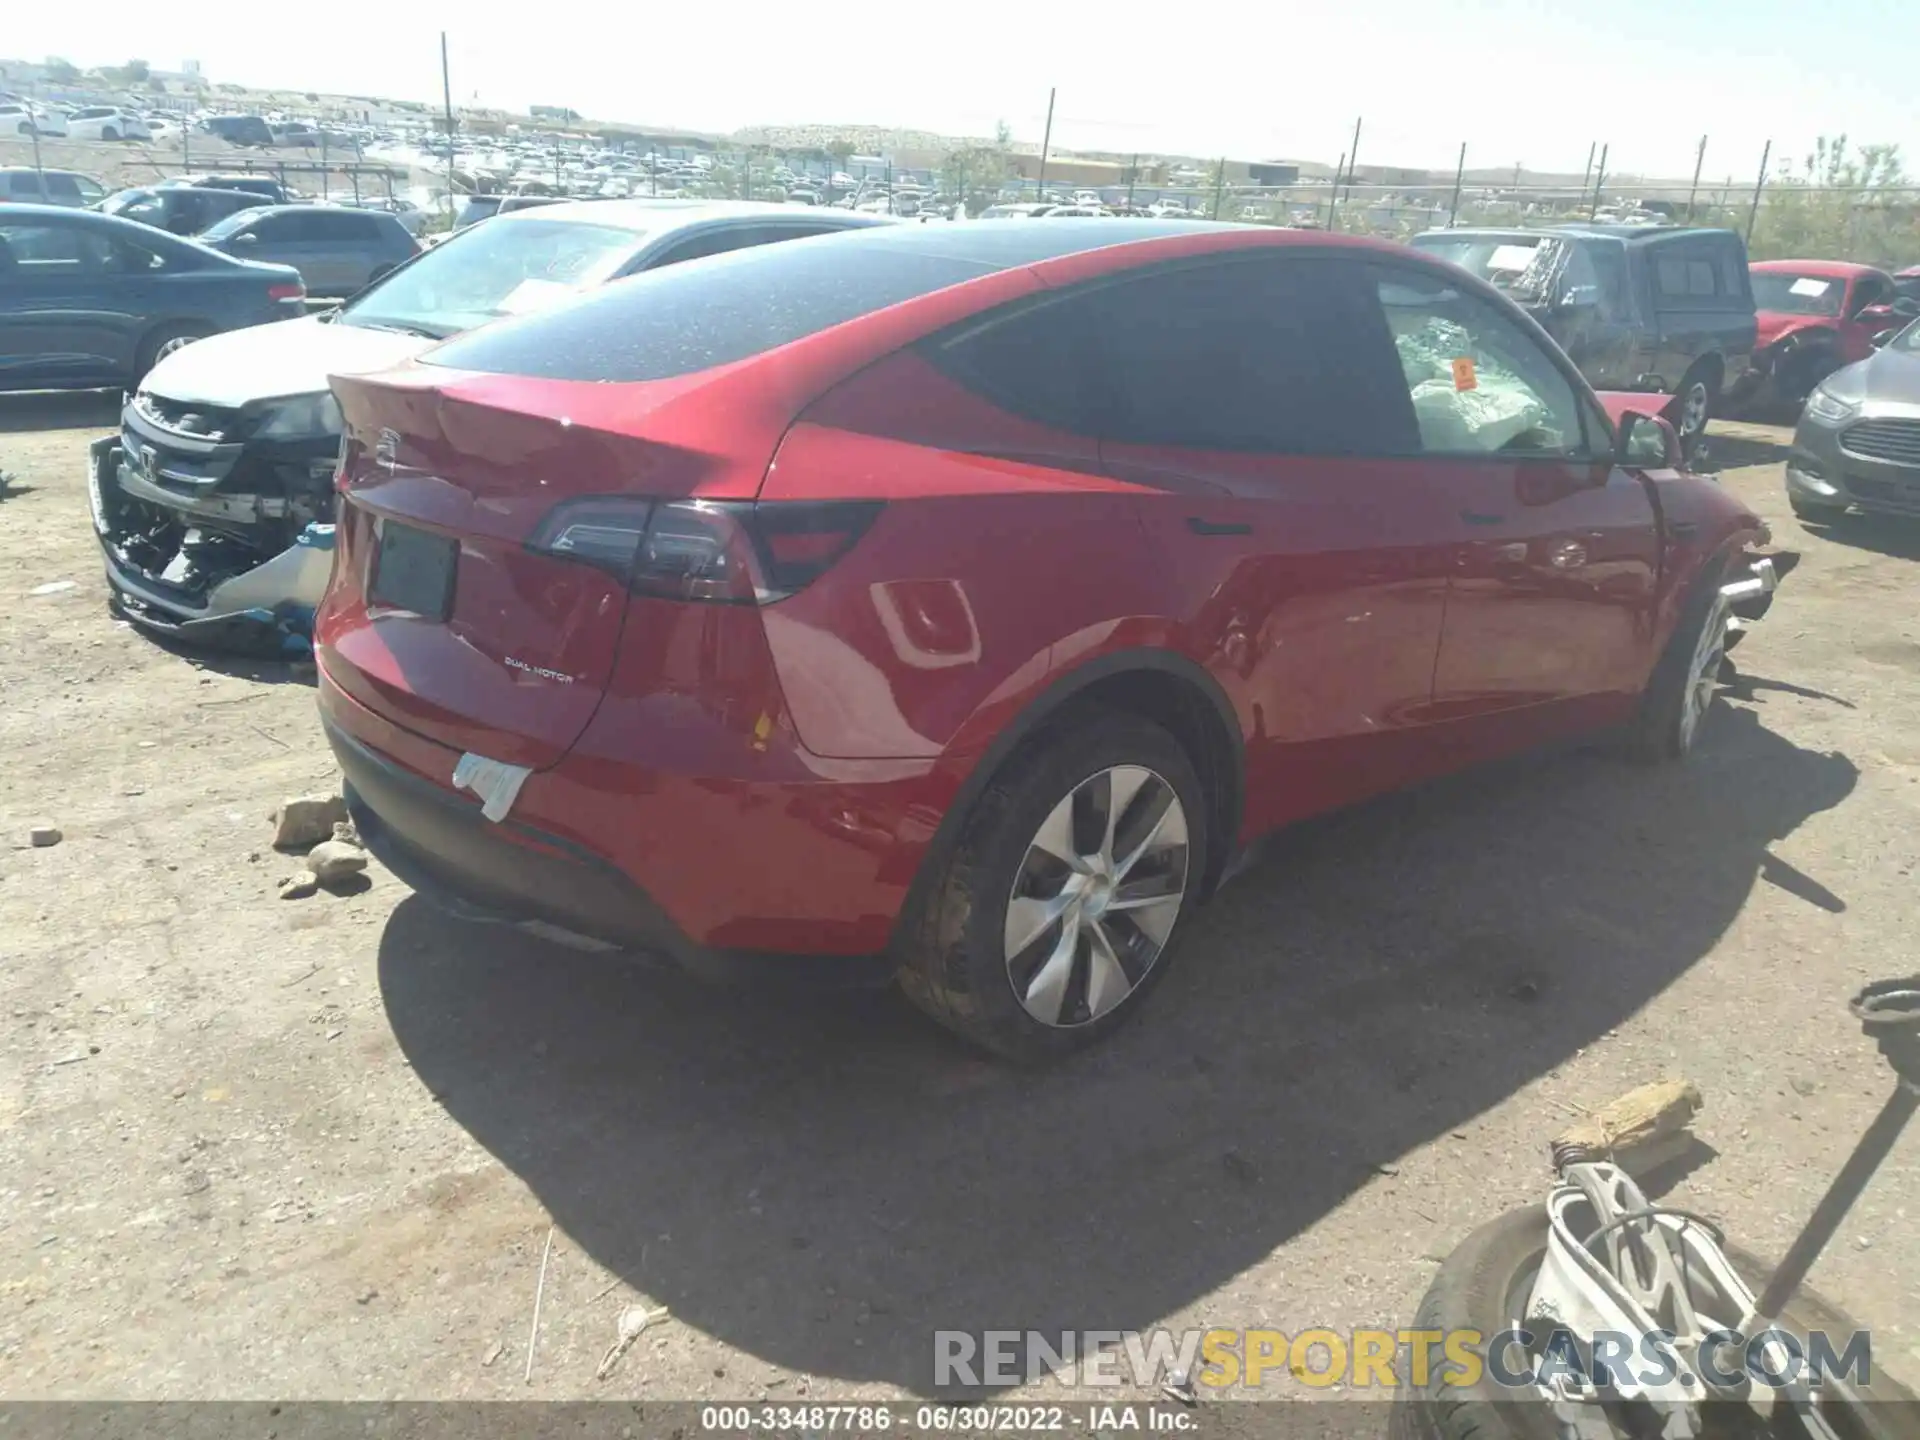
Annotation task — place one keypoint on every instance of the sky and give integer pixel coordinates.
(1518, 81)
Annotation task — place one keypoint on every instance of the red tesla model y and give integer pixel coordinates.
(949, 603)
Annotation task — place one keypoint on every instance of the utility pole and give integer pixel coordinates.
(1599, 179)
(446, 96)
(1753, 211)
(1133, 173)
(1046, 142)
(1333, 190)
(1219, 184)
(1699, 159)
(1459, 174)
(34, 130)
(1353, 156)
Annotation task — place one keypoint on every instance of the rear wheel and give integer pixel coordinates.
(1051, 919)
(164, 341)
(109, 134)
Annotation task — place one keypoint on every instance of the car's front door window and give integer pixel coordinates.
(1479, 383)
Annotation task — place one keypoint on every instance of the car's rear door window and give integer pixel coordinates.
(1262, 355)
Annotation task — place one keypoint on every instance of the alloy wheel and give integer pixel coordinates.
(1096, 896)
(1693, 410)
(177, 342)
(1703, 674)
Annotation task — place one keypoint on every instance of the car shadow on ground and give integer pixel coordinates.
(823, 1183)
(1893, 535)
(59, 410)
(1735, 452)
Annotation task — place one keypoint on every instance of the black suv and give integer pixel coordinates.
(179, 209)
(1635, 307)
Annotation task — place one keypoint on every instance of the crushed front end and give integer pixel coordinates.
(216, 524)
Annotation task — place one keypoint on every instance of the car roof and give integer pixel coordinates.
(10, 209)
(1831, 269)
(652, 216)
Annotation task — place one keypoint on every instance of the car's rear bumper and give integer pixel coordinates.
(765, 909)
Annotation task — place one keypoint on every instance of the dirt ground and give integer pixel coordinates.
(255, 1148)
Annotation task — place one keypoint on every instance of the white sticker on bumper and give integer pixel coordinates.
(494, 781)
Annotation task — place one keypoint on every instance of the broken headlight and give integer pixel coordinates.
(301, 417)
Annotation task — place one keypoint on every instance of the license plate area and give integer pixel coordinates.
(413, 570)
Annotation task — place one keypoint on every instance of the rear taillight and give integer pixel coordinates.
(733, 552)
(295, 291)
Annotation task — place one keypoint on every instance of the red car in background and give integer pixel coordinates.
(951, 603)
(1816, 316)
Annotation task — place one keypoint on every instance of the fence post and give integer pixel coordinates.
(1698, 160)
(1753, 210)
(1599, 179)
(1133, 173)
(1219, 184)
(1046, 143)
(1459, 174)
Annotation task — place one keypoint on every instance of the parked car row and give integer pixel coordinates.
(989, 585)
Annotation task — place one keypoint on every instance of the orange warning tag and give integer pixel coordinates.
(1463, 376)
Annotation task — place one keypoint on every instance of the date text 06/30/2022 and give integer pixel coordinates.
(871, 1419)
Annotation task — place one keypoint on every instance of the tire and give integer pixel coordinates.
(954, 963)
(164, 341)
(1696, 399)
(1474, 1290)
(109, 134)
(1662, 731)
(1798, 374)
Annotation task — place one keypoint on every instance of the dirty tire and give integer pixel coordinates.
(167, 338)
(953, 964)
(1473, 1290)
(1657, 733)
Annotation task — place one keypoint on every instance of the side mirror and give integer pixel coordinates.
(1647, 442)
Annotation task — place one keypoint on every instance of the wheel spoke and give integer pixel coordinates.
(1029, 918)
(1056, 835)
(1046, 997)
(1152, 914)
(1107, 980)
(1092, 805)
(1165, 827)
(1124, 784)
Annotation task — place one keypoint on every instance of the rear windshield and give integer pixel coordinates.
(1796, 294)
(683, 318)
(491, 271)
(1525, 267)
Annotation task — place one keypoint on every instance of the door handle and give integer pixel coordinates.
(1211, 527)
(1475, 517)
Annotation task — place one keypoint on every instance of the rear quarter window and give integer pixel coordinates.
(685, 318)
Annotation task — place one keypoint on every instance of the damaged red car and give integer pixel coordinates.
(1816, 316)
(952, 604)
